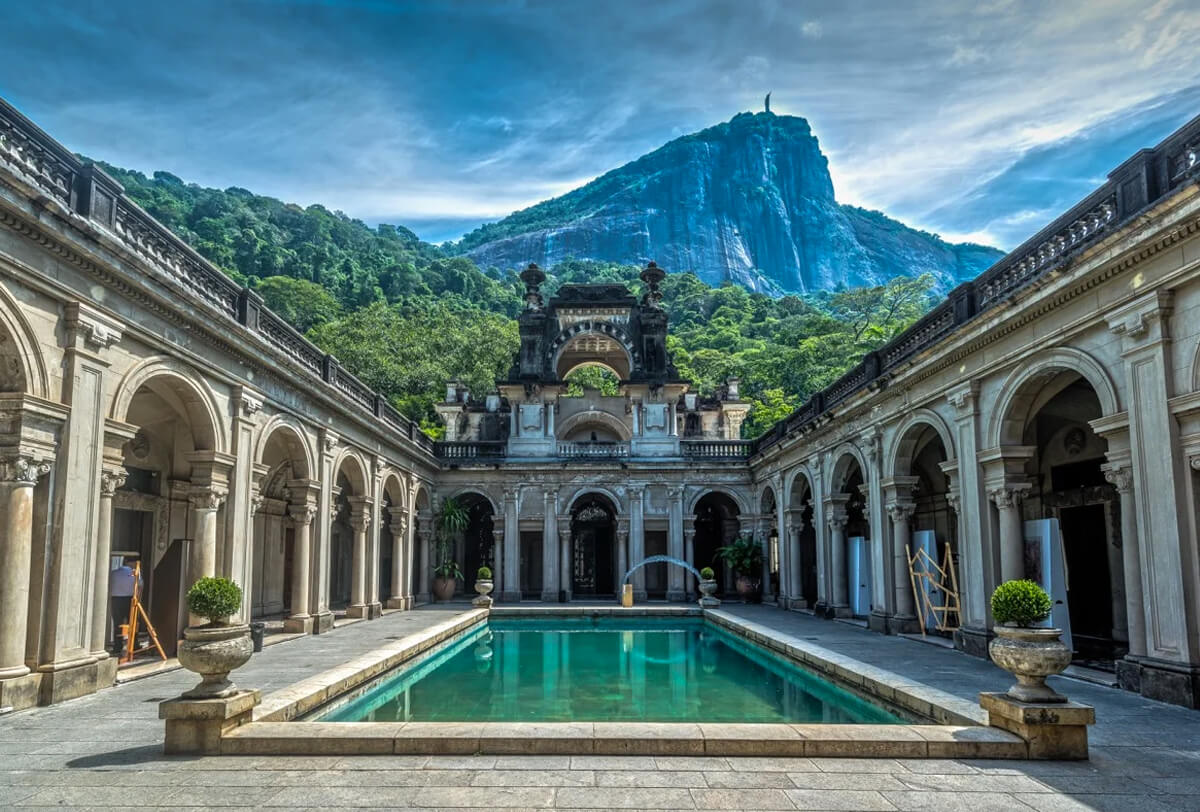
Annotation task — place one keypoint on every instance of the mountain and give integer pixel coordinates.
(750, 200)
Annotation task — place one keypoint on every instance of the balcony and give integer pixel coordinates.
(593, 450)
(472, 450)
(715, 449)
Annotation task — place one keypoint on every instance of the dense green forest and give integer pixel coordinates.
(406, 317)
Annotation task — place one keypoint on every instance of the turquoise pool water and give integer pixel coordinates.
(604, 669)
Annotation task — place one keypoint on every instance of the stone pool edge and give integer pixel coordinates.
(962, 733)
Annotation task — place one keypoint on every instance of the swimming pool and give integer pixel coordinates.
(604, 668)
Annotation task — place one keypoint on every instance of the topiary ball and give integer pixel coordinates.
(484, 574)
(214, 598)
(1022, 603)
(707, 573)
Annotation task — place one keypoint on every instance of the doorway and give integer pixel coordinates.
(592, 565)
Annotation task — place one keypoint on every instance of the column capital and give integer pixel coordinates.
(1008, 494)
(1120, 474)
(899, 488)
(954, 499)
(204, 497)
(111, 479)
(901, 511)
(837, 518)
(256, 501)
(511, 492)
(674, 492)
(360, 512)
(303, 514)
(23, 469)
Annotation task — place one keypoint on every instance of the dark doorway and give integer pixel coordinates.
(531, 564)
(716, 525)
(341, 549)
(1089, 597)
(592, 549)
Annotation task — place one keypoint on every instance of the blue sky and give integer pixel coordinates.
(976, 120)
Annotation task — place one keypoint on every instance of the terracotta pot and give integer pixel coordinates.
(443, 588)
(212, 652)
(484, 587)
(1030, 655)
(747, 588)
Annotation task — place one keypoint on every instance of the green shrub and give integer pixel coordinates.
(744, 554)
(484, 574)
(214, 598)
(1021, 603)
(707, 574)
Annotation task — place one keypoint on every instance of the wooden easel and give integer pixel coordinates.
(136, 611)
(943, 579)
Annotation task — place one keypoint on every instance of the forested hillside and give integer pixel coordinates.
(405, 317)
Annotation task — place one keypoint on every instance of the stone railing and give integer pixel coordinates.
(471, 450)
(1141, 182)
(592, 450)
(40, 161)
(716, 449)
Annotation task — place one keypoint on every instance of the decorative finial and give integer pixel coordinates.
(533, 277)
(653, 276)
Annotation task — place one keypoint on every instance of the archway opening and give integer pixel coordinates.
(593, 546)
(855, 575)
(803, 553)
(478, 546)
(274, 534)
(1070, 500)
(933, 525)
(593, 348)
(341, 545)
(770, 529)
(717, 524)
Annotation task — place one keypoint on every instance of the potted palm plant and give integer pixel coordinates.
(452, 519)
(215, 648)
(1029, 653)
(744, 555)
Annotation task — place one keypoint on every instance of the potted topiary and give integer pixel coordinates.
(744, 554)
(452, 519)
(1030, 654)
(483, 585)
(708, 586)
(214, 649)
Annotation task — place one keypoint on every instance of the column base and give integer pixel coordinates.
(823, 610)
(878, 623)
(374, 610)
(549, 596)
(1129, 674)
(71, 682)
(395, 603)
(298, 624)
(973, 641)
(1170, 682)
(640, 596)
(708, 602)
(797, 603)
(903, 624)
(1050, 730)
(841, 611)
(20, 692)
(195, 726)
(677, 596)
(322, 622)
(106, 671)
(359, 610)
(509, 596)
(422, 597)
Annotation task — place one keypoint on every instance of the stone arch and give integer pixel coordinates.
(475, 490)
(596, 417)
(22, 368)
(904, 440)
(618, 505)
(846, 454)
(738, 499)
(768, 500)
(422, 501)
(789, 485)
(185, 389)
(393, 487)
(1029, 384)
(294, 437)
(353, 465)
(615, 332)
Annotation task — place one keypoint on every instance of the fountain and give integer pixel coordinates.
(627, 588)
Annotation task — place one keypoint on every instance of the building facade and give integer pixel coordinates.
(154, 409)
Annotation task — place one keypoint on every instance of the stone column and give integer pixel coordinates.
(764, 534)
(637, 539)
(18, 476)
(689, 554)
(1007, 498)
(550, 545)
(904, 609)
(622, 553)
(498, 558)
(423, 532)
(110, 480)
(1120, 475)
(512, 547)
(360, 521)
(565, 582)
(302, 515)
(398, 525)
(675, 547)
(796, 597)
(836, 517)
(205, 501)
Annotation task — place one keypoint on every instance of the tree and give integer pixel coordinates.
(301, 303)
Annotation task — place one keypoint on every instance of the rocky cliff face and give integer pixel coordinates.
(750, 200)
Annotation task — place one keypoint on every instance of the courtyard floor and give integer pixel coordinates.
(106, 750)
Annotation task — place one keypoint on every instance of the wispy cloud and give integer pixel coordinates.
(974, 120)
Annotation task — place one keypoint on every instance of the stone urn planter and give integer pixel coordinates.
(443, 588)
(708, 589)
(1030, 655)
(212, 651)
(483, 586)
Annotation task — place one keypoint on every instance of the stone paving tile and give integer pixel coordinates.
(938, 766)
(691, 763)
(733, 779)
(345, 797)
(534, 778)
(651, 778)
(533, 763)
(613, 763)
(623, 798)
(1109, 803)
(864, 781)
(782, 765)
(972, 783)
(832, 800)
(950, 802)
(858, 765)
(758, 799)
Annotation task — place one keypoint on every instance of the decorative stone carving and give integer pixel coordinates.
(1121, 476)
(302, 515)
(205, 498)
(23, 469)
(901, 511)
(111, 480)
(1007, 496)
